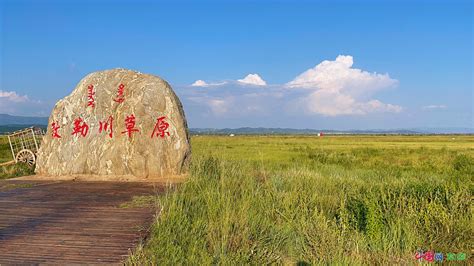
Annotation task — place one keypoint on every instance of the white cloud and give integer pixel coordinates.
(334, 104)
(16, 104)
(434, 107)
(339, 75)
(218, 106)
(202, 83)
(199, 83)
(331, 88)
(253, 79)
(12, 97)
(250, 79)
(338, 89)
(234, 100)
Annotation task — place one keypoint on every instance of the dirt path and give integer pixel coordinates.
(71, 221)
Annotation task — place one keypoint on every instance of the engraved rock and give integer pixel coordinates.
(117, 122)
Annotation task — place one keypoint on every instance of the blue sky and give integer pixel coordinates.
(313, 64)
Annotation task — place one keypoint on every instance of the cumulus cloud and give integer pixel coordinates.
(250, 79)
(331, 88)
(253, 79)
(338, 89)
(202, 83)
(12, 96)
(15, 104)
(199, 83)
(339, 75)
(434, 107)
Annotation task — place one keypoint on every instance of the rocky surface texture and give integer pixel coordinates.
(117, 122)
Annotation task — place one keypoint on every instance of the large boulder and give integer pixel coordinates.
(117, 122)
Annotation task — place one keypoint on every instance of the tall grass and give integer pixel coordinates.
(5, 151)
(284, 200)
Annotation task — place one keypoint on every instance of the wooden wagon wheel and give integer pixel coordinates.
(26, 156)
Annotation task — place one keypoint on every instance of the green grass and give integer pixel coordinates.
(5, 151)
(13, 170)
(140, 202)
(343, 200)
(330, 200)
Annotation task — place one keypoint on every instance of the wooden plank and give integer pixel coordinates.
(71, 222)
(7, 163)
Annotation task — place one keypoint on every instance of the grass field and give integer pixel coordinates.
(336, 199)
(345, 199)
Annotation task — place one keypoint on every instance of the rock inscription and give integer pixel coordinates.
(117, 122)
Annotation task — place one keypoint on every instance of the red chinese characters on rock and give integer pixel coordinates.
(80, 127)
(90, 96)
(55, 128)
(120, 94)
(130, 125)
(160, 128)
(107, 126)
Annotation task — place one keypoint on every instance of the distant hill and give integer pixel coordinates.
(22, 120)
(9, 123)
(11, 128)
(291, 131)
(288, 131)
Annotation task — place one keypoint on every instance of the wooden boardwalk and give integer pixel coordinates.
(62, 222)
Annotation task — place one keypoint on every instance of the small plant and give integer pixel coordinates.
(16, 170)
